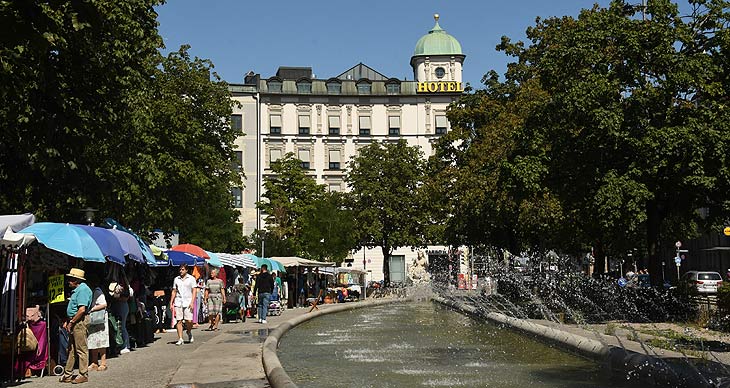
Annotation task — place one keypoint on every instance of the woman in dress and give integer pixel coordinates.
(98, 338)
(215, 297)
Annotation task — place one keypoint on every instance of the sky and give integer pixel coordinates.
(331, 36)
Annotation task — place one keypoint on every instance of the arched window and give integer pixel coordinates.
(364, 86)
(274, 85)
(334, 86)
(304, 86)
(392, 86)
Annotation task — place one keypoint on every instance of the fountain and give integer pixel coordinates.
(418, 343)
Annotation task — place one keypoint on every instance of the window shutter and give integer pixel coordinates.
(441, 122)
(303, 155)
(364, 122)
(304, 121)
(276, 121)
(275, 155)
(334, 156)
(334, 121)
(393, 121)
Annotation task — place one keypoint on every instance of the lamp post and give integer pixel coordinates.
(89, 214)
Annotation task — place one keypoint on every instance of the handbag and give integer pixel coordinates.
(114, 323)
(27, 342)
(97, 317)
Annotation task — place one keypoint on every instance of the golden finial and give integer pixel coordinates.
(436, 17)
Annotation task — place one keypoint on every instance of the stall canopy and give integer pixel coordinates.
(272, 264)
(107, 242)
(179, 258)
(16, 222)
(214, 260)
(293, 261)
(146, 252)
(68, 239)
(129, 245)
(10, 224)
(238, 260)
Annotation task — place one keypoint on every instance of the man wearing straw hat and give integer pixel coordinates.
(78, 306)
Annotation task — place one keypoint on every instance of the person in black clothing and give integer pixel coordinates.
(262, 289)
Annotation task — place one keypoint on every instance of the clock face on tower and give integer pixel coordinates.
(440, 72)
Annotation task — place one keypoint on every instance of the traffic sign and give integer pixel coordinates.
(726, 231)
(678, 244)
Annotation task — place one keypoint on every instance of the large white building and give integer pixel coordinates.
(324, 121)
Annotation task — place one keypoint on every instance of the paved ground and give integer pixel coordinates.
(228, 358)
(232, 356)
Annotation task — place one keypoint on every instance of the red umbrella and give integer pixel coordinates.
(191, 248)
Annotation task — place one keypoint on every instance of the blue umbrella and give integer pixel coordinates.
(106, 241)
(214, 260)
(146, 252)
(179, 258)
(66, 239)
(272, 265)
(129, 245)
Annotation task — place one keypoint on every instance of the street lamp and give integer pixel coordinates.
(89, 214)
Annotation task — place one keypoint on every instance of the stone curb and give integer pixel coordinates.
(647, 368)
(275, 373)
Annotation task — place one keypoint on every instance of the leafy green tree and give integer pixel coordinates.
(92, 115)
(71, 74)
(288, 195)
(385, 181)
(632, 137)
(177, 174)
(328, 228)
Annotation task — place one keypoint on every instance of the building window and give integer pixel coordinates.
(303, 155)
(363, 87)
(394, 125)
(304, 87)
(274, 86)
(393, 88)
(440, 72)
(237, 197)
(237, 123)
(442, 125)
(334, 124)
(275, 125)
(334, 88)
(365, 125)
(238, 161)
(334, 160)
(274, 156)
(335, 187)
(305, 122)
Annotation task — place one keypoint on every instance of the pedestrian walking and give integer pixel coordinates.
(184, 291)
(262, 289)
(121, 292)
(78, 319)
(215, 298)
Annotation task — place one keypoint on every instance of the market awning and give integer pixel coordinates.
(16, 222)
(294, 261)
(238, 260)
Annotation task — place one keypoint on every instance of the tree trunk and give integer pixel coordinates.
(386, 266)
(653, 223)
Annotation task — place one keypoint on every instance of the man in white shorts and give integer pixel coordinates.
(184, 289)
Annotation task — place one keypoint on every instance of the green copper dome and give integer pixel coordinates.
(437, 42)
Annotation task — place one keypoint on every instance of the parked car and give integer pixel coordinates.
(704, 281)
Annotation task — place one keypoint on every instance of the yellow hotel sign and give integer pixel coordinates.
(440, 87)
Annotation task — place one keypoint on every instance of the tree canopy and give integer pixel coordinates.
(610, 129)
(93, 116)
(385, 181)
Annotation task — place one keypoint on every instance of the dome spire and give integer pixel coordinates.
(436, 17)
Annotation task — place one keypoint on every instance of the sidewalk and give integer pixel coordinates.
(228, 358)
